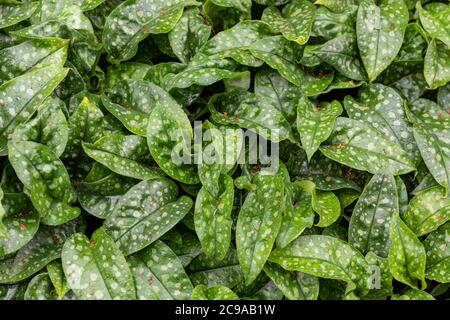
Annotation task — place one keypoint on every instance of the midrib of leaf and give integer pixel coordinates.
(156, 277)
(436, 144)
(373, 219)
(100, 271)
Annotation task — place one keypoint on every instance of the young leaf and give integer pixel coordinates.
(58, 279)
(327, 206)
(407, 256)
(257, 230)
(369, 226)
(96, 269)
(46, 181)
(362, 147)
(159, 275)
(145, 213)
(315, 123)
(380, 30)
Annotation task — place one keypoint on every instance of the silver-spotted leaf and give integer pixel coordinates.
(437, 247)
(16, 11)
(201, 292)
(437, 64)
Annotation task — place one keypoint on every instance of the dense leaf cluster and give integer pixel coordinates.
(354, 96)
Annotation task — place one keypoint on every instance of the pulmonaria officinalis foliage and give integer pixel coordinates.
(224, 150)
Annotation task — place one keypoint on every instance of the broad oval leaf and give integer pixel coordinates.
(362, 147)
(380, 30)
(369, 226)
(145, 213)
(16, 11)
(46, 181)
(407, 256)
(21, 97)
(428, 210)
(96, 269)
(40, 288)
(437, 64)
(159, 274)
(256, 231)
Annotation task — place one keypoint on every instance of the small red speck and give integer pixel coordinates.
(150, 280)
(22, 226)
(441, 115)
(225, 114)
(91, 244)
(322, 74)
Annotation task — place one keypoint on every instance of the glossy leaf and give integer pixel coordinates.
(16, 11)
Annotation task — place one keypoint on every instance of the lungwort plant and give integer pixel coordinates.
(225, 149)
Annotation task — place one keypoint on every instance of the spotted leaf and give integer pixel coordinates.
(428, 210)
(145, 213)
(370, 221)
(256, 232)
(201, 292)
(362, 147)
(294, 285)
(327, 206)
(380, 30)
(294, 22)
(159, 274)
(315, 123)
(46, 181)
(16, 11)
(437, 64)
(45, 247)
(438, 254)
(21, 97)
(434, 18)
(212, 218)
(325, 257)
(133, 20)
(407, 256)
(96, 269)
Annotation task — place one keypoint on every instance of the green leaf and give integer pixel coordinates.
(324, 257)
(434, 18)
(433, 143)
(298, 212)
(20, 223)
(329, 25)
(362, 147)
(58, 279)
(315, 123)
(428, 210)
(133, 20)
(234, 43)
(19, 59)
(279, 54)
(380, 30)
(201, 292)
(342, 54)
(132, 101)
(212, 218)
(117, 73)
(96, 269)
(46, 181)
(21, 97)
(407, 257)
(327, 206)
(257, 230)
(414, 294)
(45, 247)
(251, 111)
(145, 213)
(125, 155)
(382, 108)
(16, 11)
(369, 226)
(294, 285)
(169, 136)
(438, 254)
(437, 64)
(49, 127)
(294, 22)
(189, 35)
(159, 274)
(212, 272)
(40, 288)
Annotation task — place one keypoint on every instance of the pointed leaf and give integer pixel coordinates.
(437, 246)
